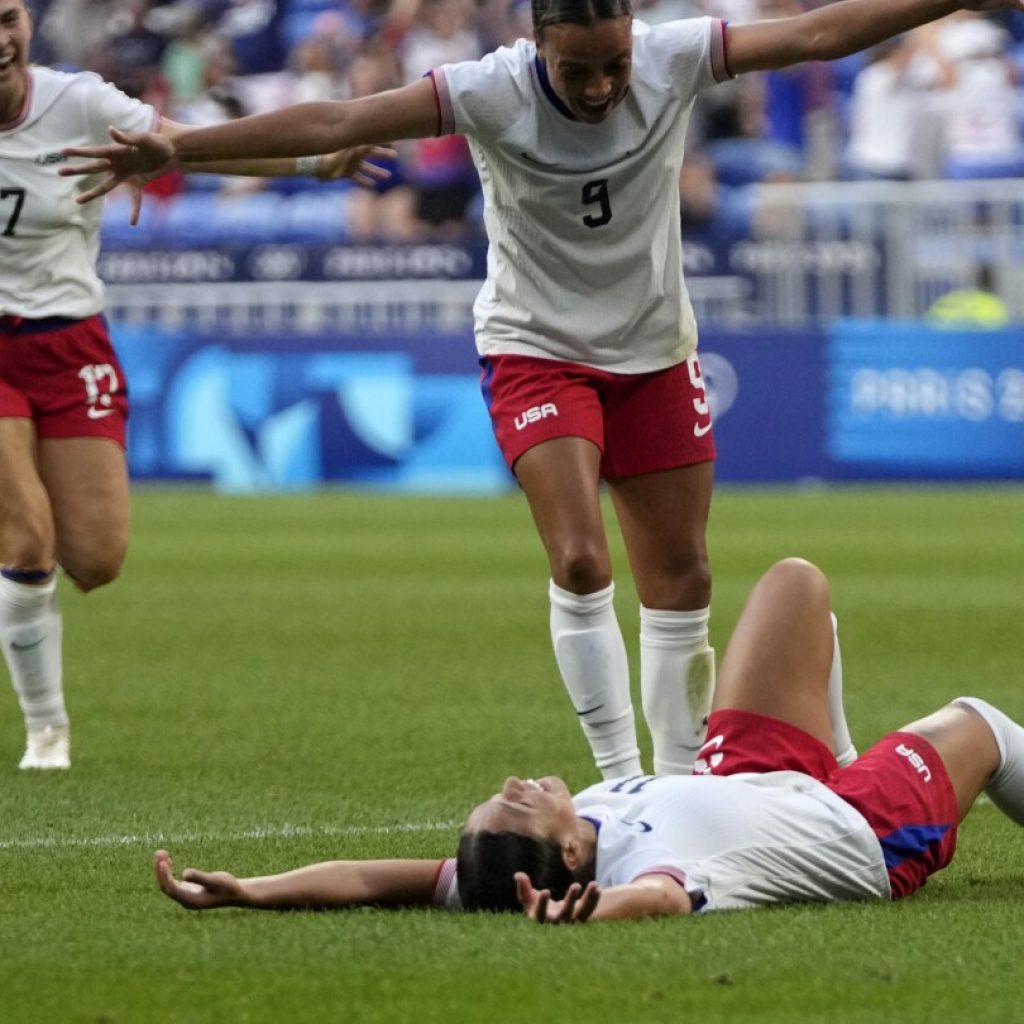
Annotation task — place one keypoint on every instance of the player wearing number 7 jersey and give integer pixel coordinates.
(585, 330)
(63, 397)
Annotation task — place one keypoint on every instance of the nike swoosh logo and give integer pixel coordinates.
(15, 646)
(714, 743)
(642, 825)
(590, 711)
(97, 414)
(537, 163)
(699, 431)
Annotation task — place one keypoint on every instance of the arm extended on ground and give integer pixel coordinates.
(326, 886)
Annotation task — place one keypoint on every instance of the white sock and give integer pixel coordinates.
(592, 659)
(677, 682)
(1006, 787)
(842, 742)
(31, 633)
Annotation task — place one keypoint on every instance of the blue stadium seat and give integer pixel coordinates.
(748, 161)
(315, 216)
(248, 218)
(188, 220)
(1011, 166)
(117, 233)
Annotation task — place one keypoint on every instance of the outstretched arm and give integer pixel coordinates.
(307, 129)
(330, 885)
(836, 30)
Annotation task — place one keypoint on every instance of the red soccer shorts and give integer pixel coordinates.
(641, 422)
(62, 374)
(899, 785)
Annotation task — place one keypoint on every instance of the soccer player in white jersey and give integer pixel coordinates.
(63, 396)
(584, 327)
(769, 816)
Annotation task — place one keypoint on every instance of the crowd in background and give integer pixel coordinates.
(940, 102)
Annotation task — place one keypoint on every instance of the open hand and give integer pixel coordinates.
(197, 890)
(139, 155)
(577, 906)
(356, 163)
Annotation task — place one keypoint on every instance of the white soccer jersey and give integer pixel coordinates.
(48, 244)
(735, 841)
(585, 257)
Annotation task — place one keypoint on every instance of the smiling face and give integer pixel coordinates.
(589, 65)
(540, 808)
(15, 39)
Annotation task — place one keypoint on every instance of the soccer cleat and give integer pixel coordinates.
(49, 747)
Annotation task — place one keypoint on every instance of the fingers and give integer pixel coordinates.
(73, 170)
(588, 902)
(133, 217)
(91, 153)
(163, 867)
(102, 189)
(373, 171)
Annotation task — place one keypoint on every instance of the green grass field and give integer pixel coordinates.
(280, 680)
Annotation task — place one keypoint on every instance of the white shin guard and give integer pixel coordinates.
(677, 683)
(31, 635)
(592, 660)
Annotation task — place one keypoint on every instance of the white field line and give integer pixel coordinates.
(261, 832)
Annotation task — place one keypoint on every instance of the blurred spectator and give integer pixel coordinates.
(444, 32)
(315, 71)
(979, 306)
(134, 55)
(77, 30)
(252, 27)
(502, 22)
(186, 55)
(698, 193)
(383, 213)
(884, 113)
(220, 99)
(980, 106)
(441, 169)
(799, 109)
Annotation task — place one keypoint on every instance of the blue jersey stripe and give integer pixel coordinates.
(910, 841)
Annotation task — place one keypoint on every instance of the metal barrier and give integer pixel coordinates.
(813, 253)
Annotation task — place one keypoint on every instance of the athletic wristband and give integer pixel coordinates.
(307, 166)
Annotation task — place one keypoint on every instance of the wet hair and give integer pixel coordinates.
(487, 862)
(576, 12)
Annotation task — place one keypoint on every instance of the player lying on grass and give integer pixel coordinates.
(771, 818)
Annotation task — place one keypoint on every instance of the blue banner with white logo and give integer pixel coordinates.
(911, 401)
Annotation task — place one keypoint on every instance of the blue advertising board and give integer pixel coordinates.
(270, 412)
(910, 401)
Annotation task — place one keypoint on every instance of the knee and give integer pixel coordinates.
(29, 543)
(97, 571)
(797, 577)
(581, 569)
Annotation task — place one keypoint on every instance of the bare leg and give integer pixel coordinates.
(663, 517)
(560, 478)
(967, 747)
(87, 481)
(26, 522)
(30, 621)
(778, 660)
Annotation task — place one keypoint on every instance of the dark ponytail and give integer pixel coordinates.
(576, 12)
